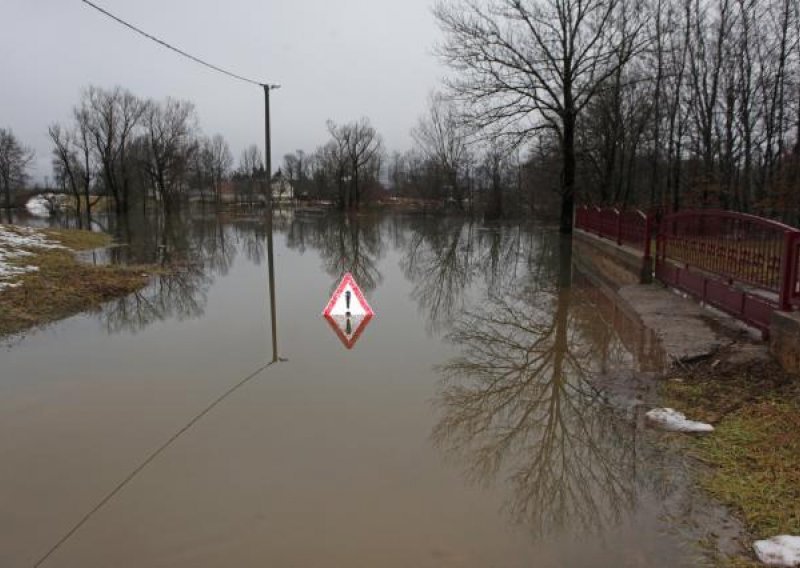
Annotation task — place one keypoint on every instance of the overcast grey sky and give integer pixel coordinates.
(337, 59)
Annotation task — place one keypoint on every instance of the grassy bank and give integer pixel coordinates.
(753, 457)
(56, 285)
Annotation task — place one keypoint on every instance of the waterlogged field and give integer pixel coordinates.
(464, 427)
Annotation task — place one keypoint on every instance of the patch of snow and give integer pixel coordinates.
(783, 550)
(15, 243)
(39, 206)
(674, 421)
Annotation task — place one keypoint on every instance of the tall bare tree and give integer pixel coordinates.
(251, 162)
(361, 148)
(217, 160)
(14, 161)
(170, 128)
(295, 167)
(111, 119)
(83, 147)
(67, 165)
(442, 138)
(528, 65)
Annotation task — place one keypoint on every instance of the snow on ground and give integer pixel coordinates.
(39, 206)
(783, 550)
(674, 421)
(15, 243)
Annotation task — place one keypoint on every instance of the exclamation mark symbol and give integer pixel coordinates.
(347, 299)
(348, 328)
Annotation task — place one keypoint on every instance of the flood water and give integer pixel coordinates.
(465, 427)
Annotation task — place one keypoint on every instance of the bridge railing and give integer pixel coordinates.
(790, 289)
(743, 264)
(631, 227)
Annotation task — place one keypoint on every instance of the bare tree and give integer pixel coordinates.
(443, 139)
(83, 148)
(529, 65)
(170, 128)
(218, 161)
(295, 167)
(250, 172)
(14, 161)
(494, 171)
(250, 162)
(111, 119)
(67, 165)
(327, 167)
(361, 147)
(706, 56)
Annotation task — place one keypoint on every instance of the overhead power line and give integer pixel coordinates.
(173, 48)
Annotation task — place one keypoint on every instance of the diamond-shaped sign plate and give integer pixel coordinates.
(348, 311)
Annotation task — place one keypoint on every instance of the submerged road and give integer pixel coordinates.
(460, 430)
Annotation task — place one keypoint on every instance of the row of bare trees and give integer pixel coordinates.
(345, 170)
(667, 103)
(707, 114)
(134, 151)
(451, 162)
(131, 150)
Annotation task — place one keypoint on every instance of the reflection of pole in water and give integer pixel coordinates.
(564, 262)
(348, 329)
(271, 270)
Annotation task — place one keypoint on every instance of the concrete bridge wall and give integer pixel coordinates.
(617, 265)
(621, 267)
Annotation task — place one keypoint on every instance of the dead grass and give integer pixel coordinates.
(62, 286)
(78, 240)
(753, 456)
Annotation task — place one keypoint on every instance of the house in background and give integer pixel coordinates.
(282, 189)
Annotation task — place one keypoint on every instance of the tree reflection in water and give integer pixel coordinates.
(439, 259)
(518, 404)
(180, 295)
(346, 243)
(191, 252)
(445, 257)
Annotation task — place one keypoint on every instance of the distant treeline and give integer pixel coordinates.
(145, 154)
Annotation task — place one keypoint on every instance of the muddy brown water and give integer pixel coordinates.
(464, 427)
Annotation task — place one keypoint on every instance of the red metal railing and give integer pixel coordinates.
(791, 289)
(631, 227)
(743, 264)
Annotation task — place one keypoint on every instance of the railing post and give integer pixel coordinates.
(598, 221)
(788, 270)
(619, 226)
(648, 234)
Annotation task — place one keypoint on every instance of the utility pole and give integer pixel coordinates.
(270, 255)
(268, 142)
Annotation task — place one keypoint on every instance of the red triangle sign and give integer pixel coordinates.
(348, 312)
(348, 299)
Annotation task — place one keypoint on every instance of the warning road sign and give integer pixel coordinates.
(348, 299)
(348, 312)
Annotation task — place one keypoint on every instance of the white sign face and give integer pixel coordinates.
(348, 300)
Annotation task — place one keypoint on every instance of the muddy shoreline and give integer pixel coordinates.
(53, 283)
(716, 371)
